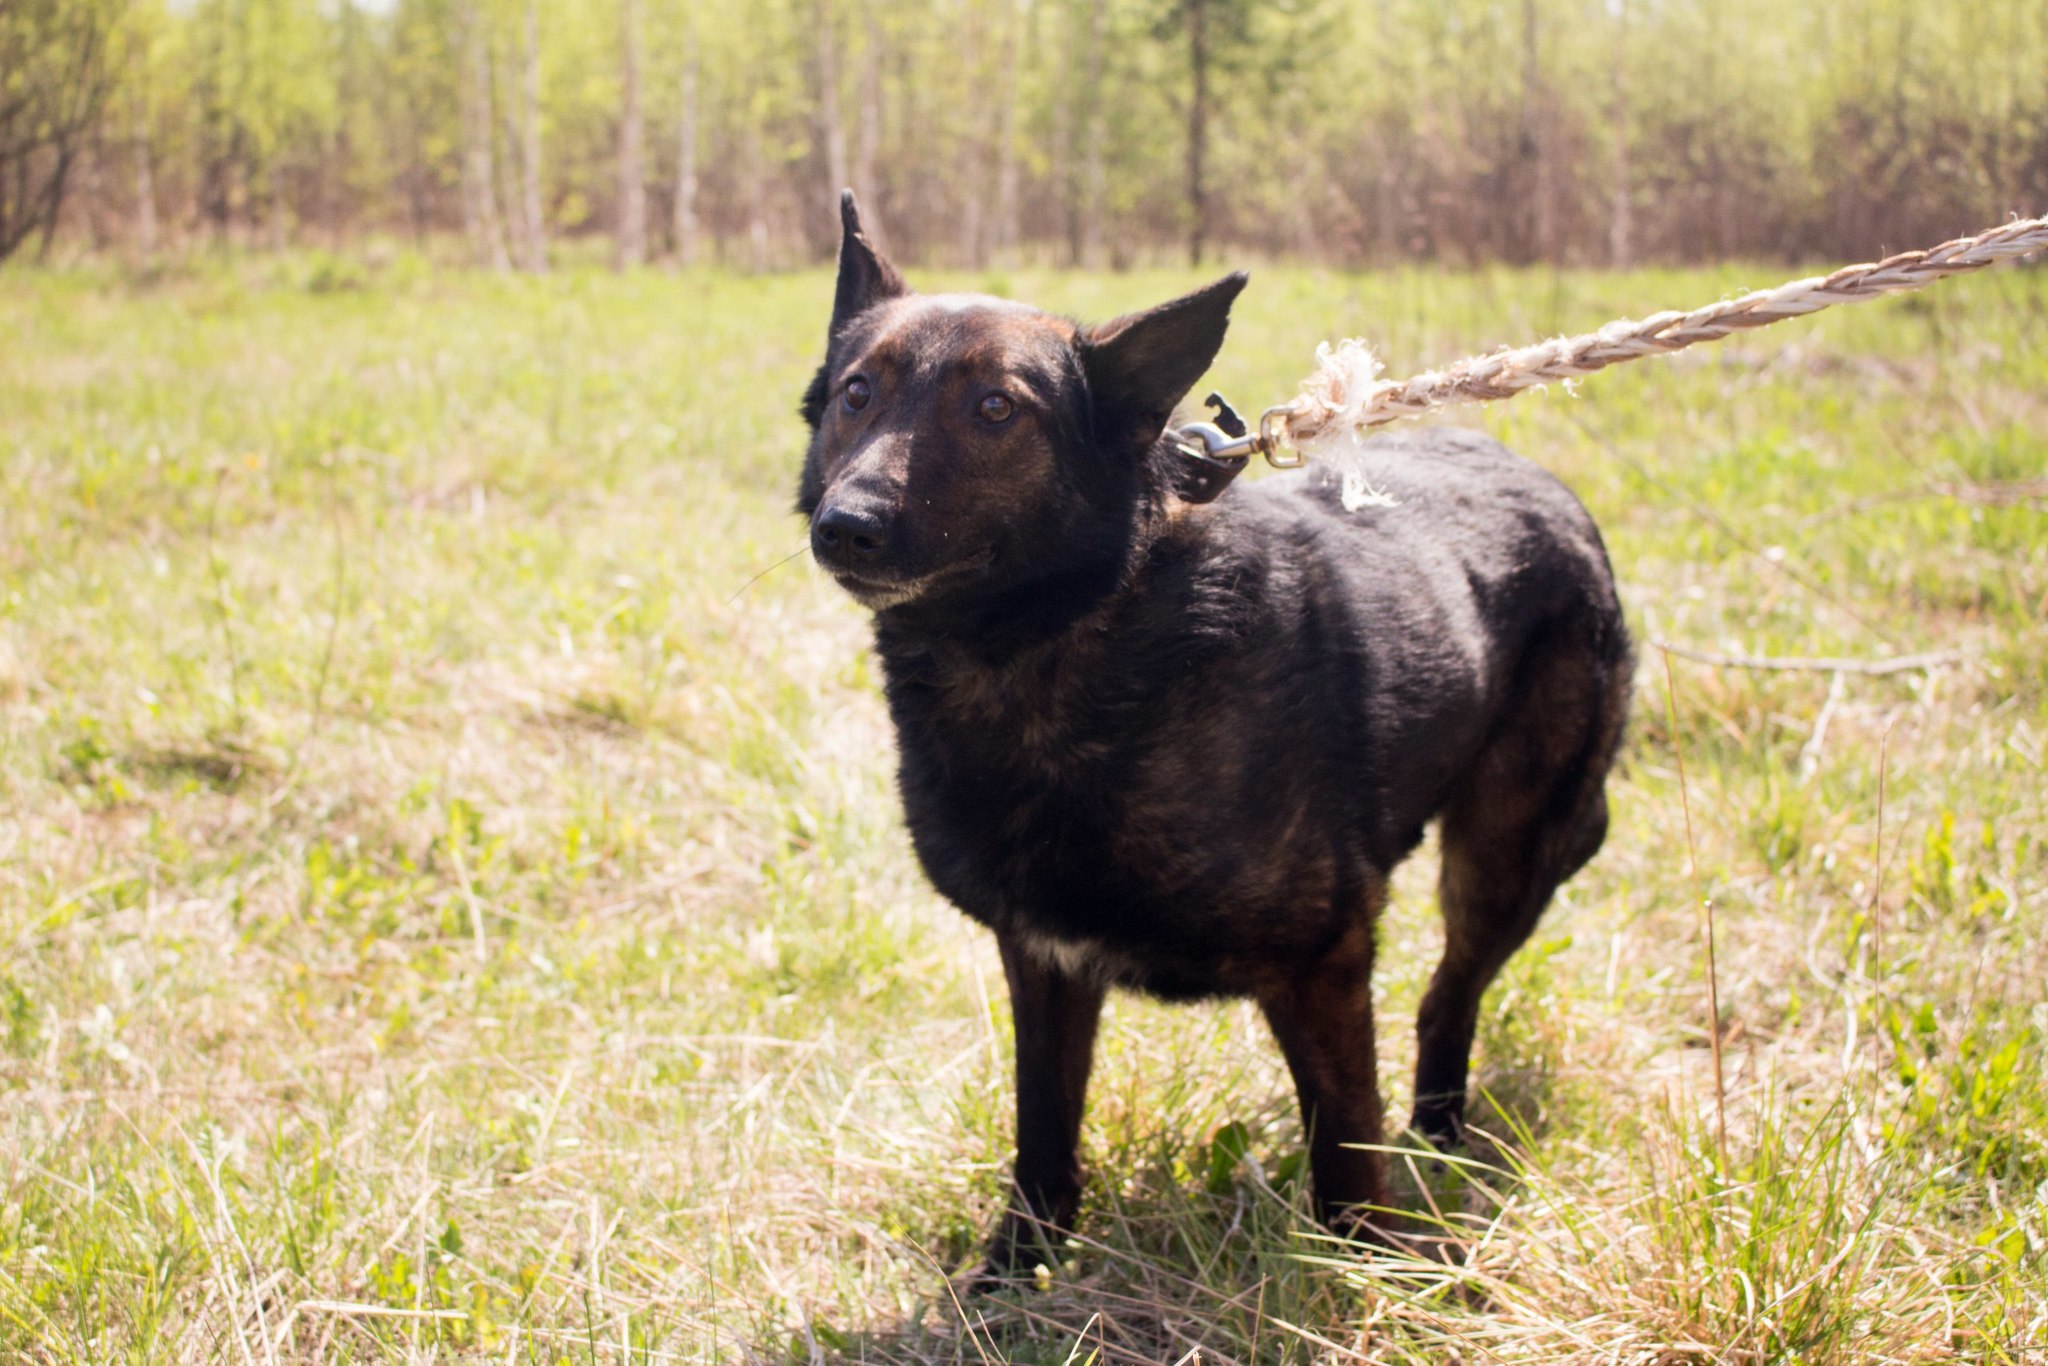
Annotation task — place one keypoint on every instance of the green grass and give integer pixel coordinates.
(455, 908)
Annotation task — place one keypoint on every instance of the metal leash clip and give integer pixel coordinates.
(1220, 456)
(1226, 445)
(1273, 442)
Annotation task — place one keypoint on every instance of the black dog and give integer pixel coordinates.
(1181, 748)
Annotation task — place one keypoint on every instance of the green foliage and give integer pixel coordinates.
(1457, 130)
(57, 65)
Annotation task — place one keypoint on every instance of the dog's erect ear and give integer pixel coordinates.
(865, 275)
(1140, 365)
(865, 279)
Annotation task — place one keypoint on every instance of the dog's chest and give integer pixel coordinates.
(1020, 768)
(1089, 818)
(1018, 777)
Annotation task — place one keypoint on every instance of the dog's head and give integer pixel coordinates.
(967, 446)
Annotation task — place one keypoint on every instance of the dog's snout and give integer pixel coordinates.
(848, 536)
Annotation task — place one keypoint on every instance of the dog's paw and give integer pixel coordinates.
(1437, 1128)
(991, 1277)
(1023, 1251)
(1383, 1233)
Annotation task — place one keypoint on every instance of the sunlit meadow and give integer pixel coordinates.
(456, 905)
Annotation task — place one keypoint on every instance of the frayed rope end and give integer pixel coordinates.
(1358, 492)
(1345, 378)
(1333, 407)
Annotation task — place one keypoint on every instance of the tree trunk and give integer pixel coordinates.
(831, 127)
(1538, 209)
(479, 198)
(868, 135)
(632, 207)
(1389, 211)
(686, 162)
(327, 208)
(96, 192)
(1549, 245)
(215, 193)
(145, 194)
(757, 199)
(1715, 227)
(1061, 173)
(1308, 185)
(53, 87)
(533, 233)
(1094, 177)
(1198, 129)
(1004, 234)
(1620, 224)
(974, 147)
(274, 211)
(54, 201)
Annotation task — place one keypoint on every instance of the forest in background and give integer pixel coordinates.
(1065, 132)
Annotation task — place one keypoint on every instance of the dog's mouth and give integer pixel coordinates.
(878, 593)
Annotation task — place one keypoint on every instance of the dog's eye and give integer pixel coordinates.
(997, 408)
(857, 394)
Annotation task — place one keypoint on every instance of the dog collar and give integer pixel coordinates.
(1208, 462)
(1214, 453)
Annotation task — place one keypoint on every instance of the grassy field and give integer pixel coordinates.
(456, 905)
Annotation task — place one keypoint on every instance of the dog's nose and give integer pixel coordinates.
(846, 537)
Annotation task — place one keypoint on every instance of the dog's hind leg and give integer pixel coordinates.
(1322, 1017)
(1056, 1013)
(1528, 815)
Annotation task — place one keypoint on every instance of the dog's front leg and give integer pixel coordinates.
(1056, 1013)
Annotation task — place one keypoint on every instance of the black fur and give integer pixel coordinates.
(1181, 748)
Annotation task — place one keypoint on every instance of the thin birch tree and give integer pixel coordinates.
(632, 200)
(686, 156)
(480, 220)
(533, 238)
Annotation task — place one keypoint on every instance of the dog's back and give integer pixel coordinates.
(1460, 561)
(1462, 571)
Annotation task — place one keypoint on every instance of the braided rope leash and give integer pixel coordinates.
(1346, 395)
